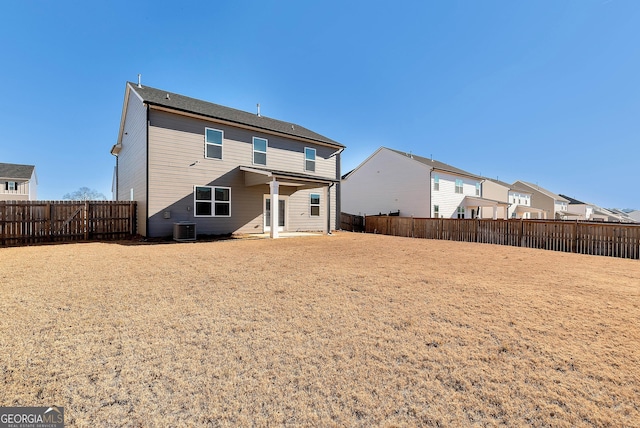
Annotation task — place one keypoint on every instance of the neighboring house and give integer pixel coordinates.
(584, 210)
(18, 182)
(517, 197)
(634, 215)
(555, 206)
(394, 181)
(184, 159)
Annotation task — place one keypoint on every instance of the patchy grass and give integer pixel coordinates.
(349, 330)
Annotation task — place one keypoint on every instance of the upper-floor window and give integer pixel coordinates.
(259, 151)
(436, 182)
(458, 185)
(213, 143)
(477, 189)
(309, 159)
(212, 201)
(11, 185)
(314, 203)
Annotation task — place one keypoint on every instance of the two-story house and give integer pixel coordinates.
(517, 197)
(554, 206)
(18, 182)
(390, 181)
(184, 159)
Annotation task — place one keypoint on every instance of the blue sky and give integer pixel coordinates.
(543, 91)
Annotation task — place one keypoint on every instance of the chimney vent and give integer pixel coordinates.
(167, 97)
(139, 80)
(258, 105)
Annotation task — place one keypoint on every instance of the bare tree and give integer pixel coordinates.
(85, 194)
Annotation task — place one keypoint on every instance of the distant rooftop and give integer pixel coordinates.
(435, 164)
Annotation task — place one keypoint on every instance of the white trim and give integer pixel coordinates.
(254, 151)
(212, 201)
(206, 128)
(314, 159)
(267, 227)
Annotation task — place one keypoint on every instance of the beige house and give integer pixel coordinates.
(184, 159)
(554, 206)
(516, 198)
(18, 182)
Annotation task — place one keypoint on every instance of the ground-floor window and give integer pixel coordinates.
(211, 201)
(460, 212)
(436, 211)
(314, 204)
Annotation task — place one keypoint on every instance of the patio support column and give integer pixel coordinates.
(495, 212)
(275, 208)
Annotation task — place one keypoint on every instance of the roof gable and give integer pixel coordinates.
(158, 97)
(16, 171)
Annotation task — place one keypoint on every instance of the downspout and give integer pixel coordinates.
(146, 214)
(329, 209)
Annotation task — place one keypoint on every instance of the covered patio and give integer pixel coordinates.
(255, 176)
(475, 203)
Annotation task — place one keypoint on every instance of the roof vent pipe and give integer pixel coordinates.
(139, 80)
(258, 105)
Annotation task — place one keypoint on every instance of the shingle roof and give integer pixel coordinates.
(573, 201)
(179, 102)
(541, 190)
(19, 172)
(436, 164)
(513, 187)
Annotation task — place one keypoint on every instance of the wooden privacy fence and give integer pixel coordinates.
(351, 222)
(603, 239)
(29, 222)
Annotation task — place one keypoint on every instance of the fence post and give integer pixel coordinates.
(86, 220)
(3, 224)
(521, 233)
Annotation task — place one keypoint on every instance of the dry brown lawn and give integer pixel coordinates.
(349, 330)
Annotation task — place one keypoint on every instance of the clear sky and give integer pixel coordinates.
(545, 91)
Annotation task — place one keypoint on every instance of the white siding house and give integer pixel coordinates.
(18, 182)
(392, 181)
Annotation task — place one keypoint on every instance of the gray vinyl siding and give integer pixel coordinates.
(177, 163)
(132, 159)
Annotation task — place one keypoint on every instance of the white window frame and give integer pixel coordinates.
(436, 182)
(213, 201)
(207, 143)
(12, 186)
(436, 211)
(460, 187)
(266, 146)
(460, 212)
(311, 205)
(310, 160)
(477, 189)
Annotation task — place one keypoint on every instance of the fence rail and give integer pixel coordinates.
(604, 239)
(29, 222)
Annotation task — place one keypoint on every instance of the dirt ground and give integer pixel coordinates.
(346, 330)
